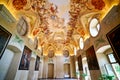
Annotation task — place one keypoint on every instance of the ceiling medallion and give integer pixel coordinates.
(65, 53)
(22, 27)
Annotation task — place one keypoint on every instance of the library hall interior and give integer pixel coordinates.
(59, 39)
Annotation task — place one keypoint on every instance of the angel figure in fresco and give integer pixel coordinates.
(53, 8)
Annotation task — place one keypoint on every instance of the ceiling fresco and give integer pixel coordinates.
(57, 25)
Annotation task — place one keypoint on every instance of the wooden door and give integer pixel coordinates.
(50, 70)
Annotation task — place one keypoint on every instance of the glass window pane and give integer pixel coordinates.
(116, 68)
(112, 58)
(81, 43)
(109, 70)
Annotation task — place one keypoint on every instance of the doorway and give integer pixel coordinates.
(66, 70)
(51, 70)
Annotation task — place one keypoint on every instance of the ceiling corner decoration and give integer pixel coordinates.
(58, 23)
(98, 4)
(51, 53)
(66, 53)
(19, 4)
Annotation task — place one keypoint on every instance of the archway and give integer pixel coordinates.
(14, 63)
(5, 63)
(66, 70)
(102, 58)
(10, 62)
(104, 62)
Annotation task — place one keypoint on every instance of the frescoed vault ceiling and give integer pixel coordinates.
(57, 25)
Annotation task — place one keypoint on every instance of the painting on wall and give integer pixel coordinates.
(37, 63)
(92, 59)
(4, 39)
(25, 59)
(114, 39)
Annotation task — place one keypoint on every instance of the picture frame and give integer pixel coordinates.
(92, 59)
(80, 63)
(113, 37)
(25, 59)
(4, 39)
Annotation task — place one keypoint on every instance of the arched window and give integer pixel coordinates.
(94, 27)
(81, 43)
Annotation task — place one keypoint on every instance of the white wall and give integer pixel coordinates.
(5, 63)
(35, 76)
(21, 75)
(102, 60)
(40, 68)
(85, 68)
